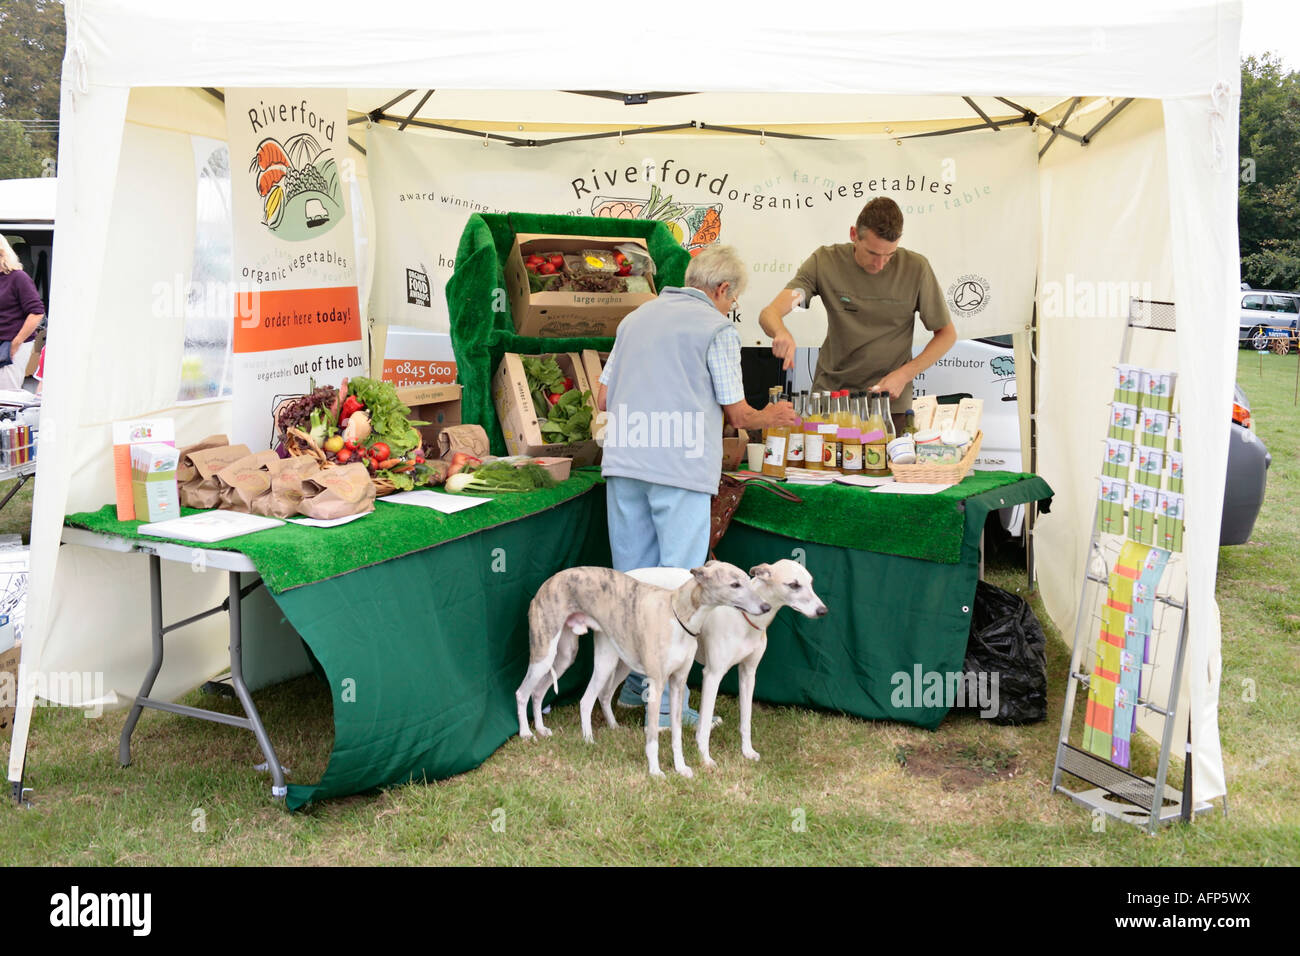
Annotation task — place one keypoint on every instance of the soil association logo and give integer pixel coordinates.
(969, 295)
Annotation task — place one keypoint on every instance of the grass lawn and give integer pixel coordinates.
(828, 790)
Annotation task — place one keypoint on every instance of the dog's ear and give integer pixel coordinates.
(763, 571)
(699, 573)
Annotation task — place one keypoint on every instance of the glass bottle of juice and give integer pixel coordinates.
(874, 442)
(829, 430)
(812, 438)
(850, 450)
(795, 442)
(909, 428)
(775, 439)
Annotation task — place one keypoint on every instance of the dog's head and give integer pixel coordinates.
(788, 582)
(725, 585)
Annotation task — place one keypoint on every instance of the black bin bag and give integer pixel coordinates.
(1006, 639)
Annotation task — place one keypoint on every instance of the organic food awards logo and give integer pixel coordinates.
(299, 185)
(969, 295)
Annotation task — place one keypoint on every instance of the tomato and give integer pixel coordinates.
(380, 450)
(625, 269)
(619, 258)
(546, 269)
(531, 267)
(553, 397)
(557, 260)
(533, 261)
(344, 455)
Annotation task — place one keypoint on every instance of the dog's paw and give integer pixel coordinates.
(709, 763)
(589, 738)
(526, 735)
(685, 771)
(543, 731)
(750, 754)
(658, 773)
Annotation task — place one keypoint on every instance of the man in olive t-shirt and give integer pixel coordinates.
(871, 290)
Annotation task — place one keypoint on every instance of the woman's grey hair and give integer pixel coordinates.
(9, 261)
(714, 266)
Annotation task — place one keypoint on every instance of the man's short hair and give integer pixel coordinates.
(883, 217)
(714, 266)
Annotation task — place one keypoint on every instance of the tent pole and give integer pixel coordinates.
(984, 116)
(423, 99)
(1087, 137)
(1056, 131)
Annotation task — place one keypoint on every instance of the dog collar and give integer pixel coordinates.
(749, 622)
(684, 627)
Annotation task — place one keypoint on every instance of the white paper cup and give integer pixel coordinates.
(755, 452)
(902, 450)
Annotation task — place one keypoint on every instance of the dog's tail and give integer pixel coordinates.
(555, 682)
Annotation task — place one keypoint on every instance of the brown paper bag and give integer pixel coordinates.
(246, 480)
(204, 490)
(471, 439)
(287, 476)
(337, 492)
(185, 470)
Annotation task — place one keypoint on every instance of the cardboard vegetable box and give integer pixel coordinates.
(519, 422)
(439, 405)
(568, 313)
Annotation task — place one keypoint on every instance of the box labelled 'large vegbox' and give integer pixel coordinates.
(439, 405)
(519, 422)
(567, 314)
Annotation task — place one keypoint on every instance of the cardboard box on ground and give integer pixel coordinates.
(519, 423)
(567, 314)
(9, 686)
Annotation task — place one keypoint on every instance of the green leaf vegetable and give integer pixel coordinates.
(388, 416)
(569, 419)
(498, 477)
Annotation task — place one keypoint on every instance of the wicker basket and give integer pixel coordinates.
(299, 444)
(935, 473)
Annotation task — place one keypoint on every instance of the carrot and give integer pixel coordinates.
(269, 153)
(710, 228)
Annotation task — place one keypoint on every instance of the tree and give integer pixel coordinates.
(18, 158)
(31, 56)
(1268, 196)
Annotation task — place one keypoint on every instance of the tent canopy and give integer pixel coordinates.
(1153, 199)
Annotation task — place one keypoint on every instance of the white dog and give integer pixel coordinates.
(731, 637)
(642, 626)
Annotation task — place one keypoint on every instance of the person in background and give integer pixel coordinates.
(673, 375)
(872, 291)
(21, 311)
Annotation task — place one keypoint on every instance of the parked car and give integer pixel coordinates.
(1265, 309)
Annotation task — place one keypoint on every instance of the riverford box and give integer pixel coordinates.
(439, 405)
(519, 422)
(569, 313)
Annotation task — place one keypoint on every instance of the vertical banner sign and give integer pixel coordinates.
(297, 318)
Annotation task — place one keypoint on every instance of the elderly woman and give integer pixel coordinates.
(673, 375)
(21, 311)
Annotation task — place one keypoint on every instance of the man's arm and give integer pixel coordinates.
(771, 320)
(743, 415)
(943, 339)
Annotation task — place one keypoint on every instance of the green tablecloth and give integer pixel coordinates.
(889, 614)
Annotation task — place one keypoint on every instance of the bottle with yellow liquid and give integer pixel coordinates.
(794, 454)
(775, 440)
(875, 441)
(812, 437)
(829, 432)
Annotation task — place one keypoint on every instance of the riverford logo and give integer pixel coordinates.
(417, 287)
(968, 295)
(75, 909)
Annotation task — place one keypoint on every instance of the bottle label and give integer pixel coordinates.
(830, 454)
(812, 450)
(774, 452)
(794, 454)
(875, 457)
(852, 457)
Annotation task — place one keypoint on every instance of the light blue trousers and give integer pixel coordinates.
(656, 526)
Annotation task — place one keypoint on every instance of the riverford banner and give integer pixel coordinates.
(970, 205)
(296, 315)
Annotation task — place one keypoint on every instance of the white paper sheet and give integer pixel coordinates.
(328, 522)
(911, 488)
(437, 500)
(209, 526)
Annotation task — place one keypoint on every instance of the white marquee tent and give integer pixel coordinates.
(1152, 198)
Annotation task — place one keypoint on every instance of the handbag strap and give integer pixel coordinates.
(767, 484)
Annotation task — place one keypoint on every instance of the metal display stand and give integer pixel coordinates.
(1118, 792)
